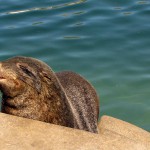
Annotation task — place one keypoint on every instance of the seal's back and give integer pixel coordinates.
(83, 99)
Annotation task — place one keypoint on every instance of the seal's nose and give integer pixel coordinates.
(1, 72)
(1, 76)
(1, 67)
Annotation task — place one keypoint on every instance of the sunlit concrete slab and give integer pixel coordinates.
(24, 134)
(109, 124)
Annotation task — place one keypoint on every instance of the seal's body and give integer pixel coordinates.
(32, 90)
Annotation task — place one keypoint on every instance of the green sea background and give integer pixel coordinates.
(107, 42)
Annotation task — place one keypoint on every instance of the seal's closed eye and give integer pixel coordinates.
(26, 71)
(29, 76)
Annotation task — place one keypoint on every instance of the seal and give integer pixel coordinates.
(31, 89)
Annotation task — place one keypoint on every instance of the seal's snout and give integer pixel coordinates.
(8, 80)
(1, 76)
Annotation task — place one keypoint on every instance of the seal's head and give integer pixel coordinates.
(31, 89)
(16, 74)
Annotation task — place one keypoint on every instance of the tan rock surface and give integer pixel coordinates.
(23, 134)
(109, 124)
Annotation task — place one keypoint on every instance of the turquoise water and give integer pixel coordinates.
(107, 42)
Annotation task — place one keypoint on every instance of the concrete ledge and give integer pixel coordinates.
(109, 124)
(24, 134)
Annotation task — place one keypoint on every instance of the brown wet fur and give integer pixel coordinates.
(32, 90)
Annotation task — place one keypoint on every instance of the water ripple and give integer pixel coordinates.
(45, 8)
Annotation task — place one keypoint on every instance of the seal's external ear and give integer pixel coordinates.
(46, 75)
(29, 76)
(54, 84)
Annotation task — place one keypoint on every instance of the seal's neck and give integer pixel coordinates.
(59, 110)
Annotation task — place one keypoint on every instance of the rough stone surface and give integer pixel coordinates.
(109, 124)
(22, 134)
